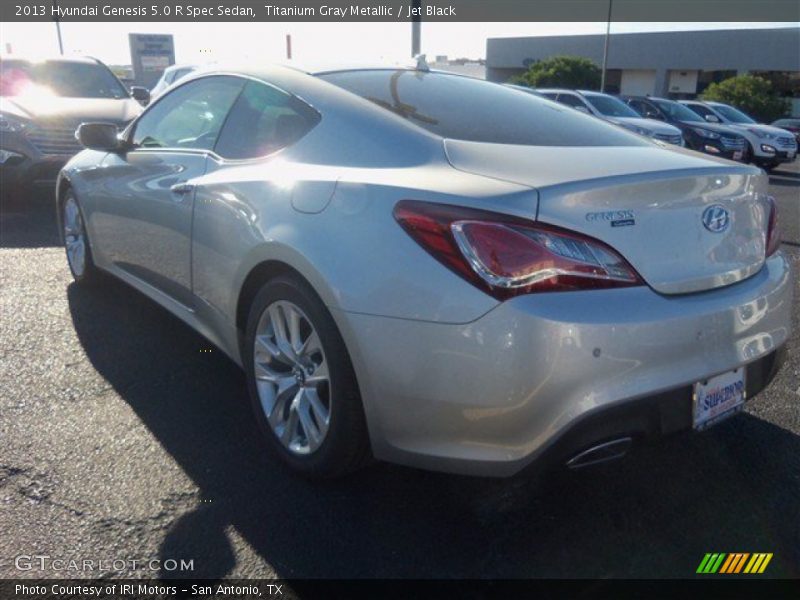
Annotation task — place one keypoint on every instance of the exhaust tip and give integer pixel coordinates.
(600, 453)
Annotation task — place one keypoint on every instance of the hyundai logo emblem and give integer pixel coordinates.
(716, 218)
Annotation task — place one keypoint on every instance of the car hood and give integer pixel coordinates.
(725, 129)
(648, 124)
(71, 110)
(776, 131)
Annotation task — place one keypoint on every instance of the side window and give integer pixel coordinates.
(700, 109)
(637, 105)
(646, 109)
(191, 116)
(571, 100)
(179, 73)
(262, 121)
(654, 111)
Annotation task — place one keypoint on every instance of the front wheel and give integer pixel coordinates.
(302, 385)
(76, 241)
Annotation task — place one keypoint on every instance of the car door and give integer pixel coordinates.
(144, 221)
(230, 209)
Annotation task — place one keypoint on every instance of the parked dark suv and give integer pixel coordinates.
(711, 138)
(41, 105)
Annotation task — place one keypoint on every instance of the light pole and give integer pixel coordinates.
(605, 48)
(58, 29)
(416, 26)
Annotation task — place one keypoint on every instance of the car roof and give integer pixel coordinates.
(175, 67)
(556, 91)
(309, 68)
(35, 60)
(319, 67)
(650, 98)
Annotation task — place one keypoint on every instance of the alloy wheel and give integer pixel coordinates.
(74, 237)
(292, 377)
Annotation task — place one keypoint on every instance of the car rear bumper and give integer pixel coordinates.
(492, 396)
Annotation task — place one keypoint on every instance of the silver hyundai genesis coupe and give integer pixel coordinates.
(435, 270)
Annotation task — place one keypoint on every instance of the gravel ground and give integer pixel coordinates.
(123, 435)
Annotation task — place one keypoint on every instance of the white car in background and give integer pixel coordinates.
(170, 76)
(769, 146)
(613, 109)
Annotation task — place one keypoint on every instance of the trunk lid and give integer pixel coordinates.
(685, 222)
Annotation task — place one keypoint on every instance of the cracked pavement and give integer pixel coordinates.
(120, 439)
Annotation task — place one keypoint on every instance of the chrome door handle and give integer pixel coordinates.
(181, 188)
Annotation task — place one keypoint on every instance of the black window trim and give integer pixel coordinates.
(127, 134)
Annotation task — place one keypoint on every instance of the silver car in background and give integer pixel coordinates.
(171, 76)
(614, 110)
(435, 270)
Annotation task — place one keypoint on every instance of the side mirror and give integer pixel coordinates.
(583, 109)
(140, 94)
(99, 136)
(712, 118)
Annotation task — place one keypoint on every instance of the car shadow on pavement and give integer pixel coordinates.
(734, 488)
(29, 222)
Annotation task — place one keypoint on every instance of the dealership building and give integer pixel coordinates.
(679, 64)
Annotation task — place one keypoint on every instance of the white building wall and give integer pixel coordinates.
(682, 82)
(638, 82)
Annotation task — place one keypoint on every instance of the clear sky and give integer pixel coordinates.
(204, 42)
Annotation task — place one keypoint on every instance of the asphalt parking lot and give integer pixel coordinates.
(124, 435)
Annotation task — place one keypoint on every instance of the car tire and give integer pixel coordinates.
(317, 427)
(76, 241)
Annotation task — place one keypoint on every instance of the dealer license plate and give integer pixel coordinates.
(718, 397)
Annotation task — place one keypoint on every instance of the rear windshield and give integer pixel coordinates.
(469, 109)
(60, 78)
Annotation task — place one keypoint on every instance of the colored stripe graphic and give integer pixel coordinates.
(727, 564)
(711, 562)
(765, 563)
(722, 563)
(740, 563)
(703, 563)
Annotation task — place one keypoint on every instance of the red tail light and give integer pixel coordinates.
(773, 228)
(507, 256)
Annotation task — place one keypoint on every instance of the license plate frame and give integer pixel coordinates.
(719, 397)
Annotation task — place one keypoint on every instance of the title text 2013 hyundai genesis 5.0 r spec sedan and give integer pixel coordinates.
(436, 270)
